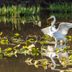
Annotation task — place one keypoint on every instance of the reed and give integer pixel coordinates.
(17, 21)
(17, 10)
(63, 7)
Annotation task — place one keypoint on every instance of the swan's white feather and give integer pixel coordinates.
(64, 27)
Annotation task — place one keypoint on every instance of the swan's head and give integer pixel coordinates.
(51, 17)
(53, 20)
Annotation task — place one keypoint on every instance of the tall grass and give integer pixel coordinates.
(17, 21)
(17, 10)
(61, 7)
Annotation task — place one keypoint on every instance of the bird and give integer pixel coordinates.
(58, 33)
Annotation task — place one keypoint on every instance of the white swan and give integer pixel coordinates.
(50, 29)
(59, 33)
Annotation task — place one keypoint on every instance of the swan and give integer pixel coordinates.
(58, 33)
(50, 29)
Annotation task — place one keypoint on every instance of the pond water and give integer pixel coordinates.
(17, 25)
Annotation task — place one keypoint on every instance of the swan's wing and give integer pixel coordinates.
(64, 27)
(47, 31)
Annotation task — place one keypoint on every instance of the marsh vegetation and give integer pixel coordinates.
(19, 22)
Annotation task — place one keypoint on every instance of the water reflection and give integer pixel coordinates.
(16, 17)
(62, 16)
(17, 21)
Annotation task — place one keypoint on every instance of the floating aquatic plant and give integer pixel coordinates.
(27, 47)
(4, 41)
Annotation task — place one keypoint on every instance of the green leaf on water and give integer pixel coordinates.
(16, 34)
(8, 52)
(36, 63)
(8, 49)
(44, 63)
(0, 50)
(1, 56)
(1, 33)
(70, 57)
(4, 41)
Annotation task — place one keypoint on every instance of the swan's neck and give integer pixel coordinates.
(53, 22)
(53, 29)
